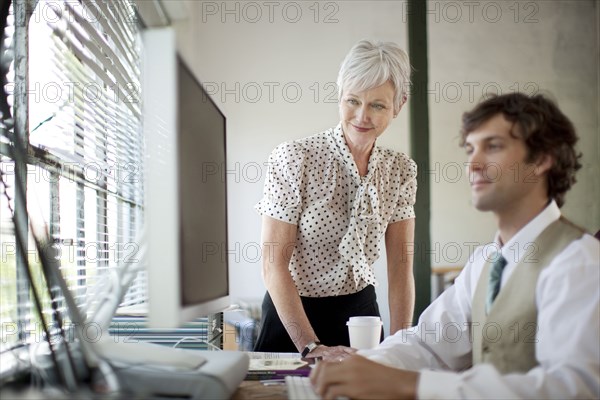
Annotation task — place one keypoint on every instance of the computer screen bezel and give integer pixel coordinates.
(161, 186)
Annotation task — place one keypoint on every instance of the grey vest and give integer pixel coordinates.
(507, 336)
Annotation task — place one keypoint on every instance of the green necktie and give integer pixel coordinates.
(494, 280)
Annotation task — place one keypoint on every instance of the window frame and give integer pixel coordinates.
(58, 168)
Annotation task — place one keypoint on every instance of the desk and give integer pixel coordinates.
(248, 390)
(251, 390)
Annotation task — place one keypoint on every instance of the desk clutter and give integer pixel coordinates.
(277, 376)
(275, 367)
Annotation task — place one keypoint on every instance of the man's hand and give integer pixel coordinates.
(359, 378)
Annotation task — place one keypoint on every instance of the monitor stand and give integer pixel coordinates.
(152, 370)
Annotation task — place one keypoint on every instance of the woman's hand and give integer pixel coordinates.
(333, 353)
(359, 378)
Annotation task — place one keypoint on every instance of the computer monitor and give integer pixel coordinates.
(186, 198)
(185, 220)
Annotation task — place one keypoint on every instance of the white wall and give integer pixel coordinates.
(256, 55)
(285, 56)
(503, 46)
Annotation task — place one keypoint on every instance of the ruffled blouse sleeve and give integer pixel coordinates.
(408, 189)
(282, 192)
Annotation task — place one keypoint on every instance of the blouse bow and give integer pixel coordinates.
(366, 226)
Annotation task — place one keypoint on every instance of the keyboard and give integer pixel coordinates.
(299, 388)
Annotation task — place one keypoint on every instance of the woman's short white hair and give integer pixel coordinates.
(370, 64)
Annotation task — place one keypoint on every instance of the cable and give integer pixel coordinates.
(120, 281)
(36, 298)
(17, 152)
(195, 339)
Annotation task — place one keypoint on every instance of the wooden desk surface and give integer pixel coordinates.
(255, 390)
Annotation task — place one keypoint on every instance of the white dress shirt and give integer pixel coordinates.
(567, 338)
(341, 216)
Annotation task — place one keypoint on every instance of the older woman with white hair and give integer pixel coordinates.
(329, 200)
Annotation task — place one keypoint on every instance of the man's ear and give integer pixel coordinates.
(543, 164)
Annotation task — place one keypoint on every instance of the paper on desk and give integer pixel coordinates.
(263, 361)
(265, 355)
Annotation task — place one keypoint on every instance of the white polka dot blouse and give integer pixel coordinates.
(341, 217)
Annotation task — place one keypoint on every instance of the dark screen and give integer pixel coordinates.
(203, 198)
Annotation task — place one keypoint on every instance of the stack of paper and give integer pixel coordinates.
(272, 366)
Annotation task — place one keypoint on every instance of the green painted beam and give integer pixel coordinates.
(419, 146)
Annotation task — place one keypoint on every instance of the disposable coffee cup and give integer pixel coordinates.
(365, 332)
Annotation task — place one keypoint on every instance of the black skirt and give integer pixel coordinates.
(327, 316)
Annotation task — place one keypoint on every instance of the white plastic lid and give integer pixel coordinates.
(364, 321)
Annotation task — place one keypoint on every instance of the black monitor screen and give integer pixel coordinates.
(202, 193)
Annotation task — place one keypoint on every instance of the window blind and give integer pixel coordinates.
(84, 163)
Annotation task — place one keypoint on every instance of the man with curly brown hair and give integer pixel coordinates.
(522, 319)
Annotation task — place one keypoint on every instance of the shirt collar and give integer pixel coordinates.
(340, 142)
(520, 244)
